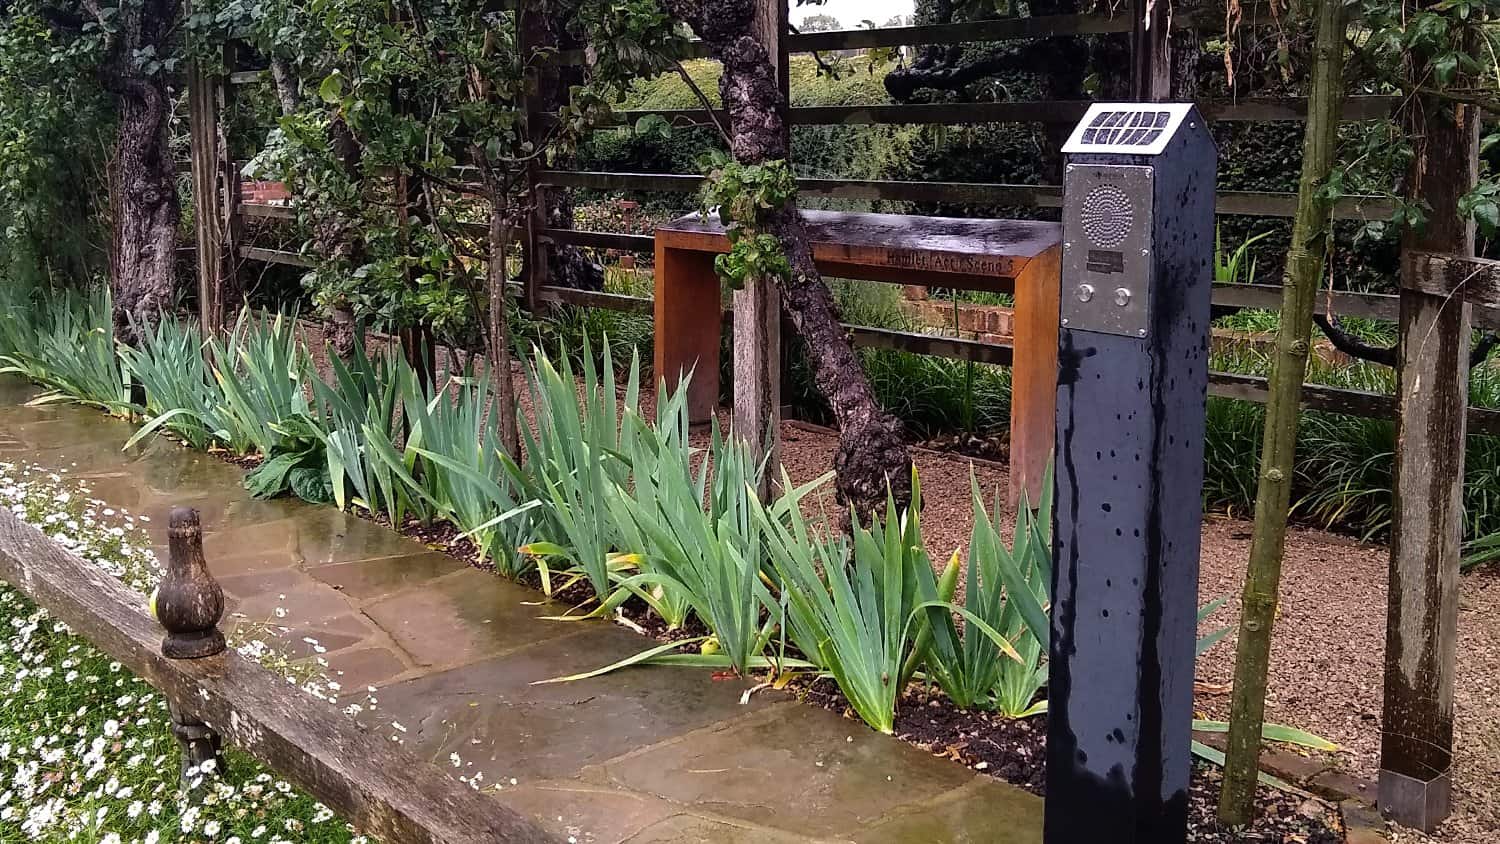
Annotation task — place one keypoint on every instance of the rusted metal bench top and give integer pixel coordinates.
(951, 252)
(1022, 257)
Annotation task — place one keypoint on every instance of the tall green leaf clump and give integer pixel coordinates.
(849, 605)
(997, 662)
(180, 394)
(65, 340)
(462, 470)
(262, 373)
(573, 462)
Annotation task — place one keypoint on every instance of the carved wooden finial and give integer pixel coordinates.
(189, 602)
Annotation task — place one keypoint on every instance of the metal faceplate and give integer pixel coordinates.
(1106, 281)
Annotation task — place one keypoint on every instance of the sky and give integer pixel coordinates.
(851, 12)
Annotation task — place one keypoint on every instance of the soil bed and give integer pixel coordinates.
(1015, 750)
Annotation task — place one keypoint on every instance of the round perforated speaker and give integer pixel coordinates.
(1107, 216)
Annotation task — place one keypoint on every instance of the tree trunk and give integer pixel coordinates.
(1304, 269)
(872, 452)
(338, 235)
(286, 86)
(146, 206)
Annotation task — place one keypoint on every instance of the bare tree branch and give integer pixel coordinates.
(702, 98)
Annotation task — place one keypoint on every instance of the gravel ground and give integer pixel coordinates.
(1330, 633)
(1326, 663)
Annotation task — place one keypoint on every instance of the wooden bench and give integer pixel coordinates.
(1020, 257)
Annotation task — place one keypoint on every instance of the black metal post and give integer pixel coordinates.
(1132, 384)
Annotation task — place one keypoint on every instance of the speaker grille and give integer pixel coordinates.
(1107, 216)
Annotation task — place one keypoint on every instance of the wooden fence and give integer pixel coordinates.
(1226, 296)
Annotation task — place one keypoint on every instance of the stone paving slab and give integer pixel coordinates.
(643, 755)
(985, 811)
(492, 715)
(794, 767)
(372, 579)
(571, 809)
(466, 617)
(688, 827)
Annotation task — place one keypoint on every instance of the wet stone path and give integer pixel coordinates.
(643, 755)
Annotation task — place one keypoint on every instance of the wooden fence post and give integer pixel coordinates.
(531, 35)
(1150, 51)
(1416, 748)
(757, 307)
(216, 195)
(189, 603)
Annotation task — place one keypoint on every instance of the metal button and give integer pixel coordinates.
(1085, 292)
(1122, 296)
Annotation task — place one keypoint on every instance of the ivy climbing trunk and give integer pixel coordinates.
(872, 452)
(145, 206)
(1304, 269)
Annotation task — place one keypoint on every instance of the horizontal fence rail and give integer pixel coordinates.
(1223, 384)
(382, 789)
(1245, 203)
(1371, 107)
(967, 32)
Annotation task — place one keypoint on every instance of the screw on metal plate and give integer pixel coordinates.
(1065, 321)
(1140, 332)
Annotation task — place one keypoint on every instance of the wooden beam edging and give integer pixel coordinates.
(382, 789)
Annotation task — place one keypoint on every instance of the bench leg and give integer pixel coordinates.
(688, 316)
(1033, 382)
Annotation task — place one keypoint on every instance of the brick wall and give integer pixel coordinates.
(264, 192)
